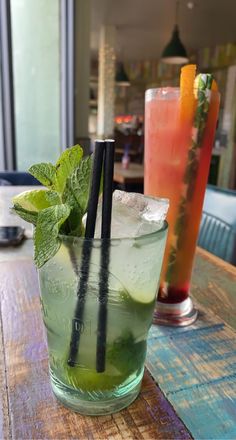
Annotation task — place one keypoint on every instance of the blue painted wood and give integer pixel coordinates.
(195, 368)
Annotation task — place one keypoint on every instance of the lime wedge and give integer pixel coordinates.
(140, 297)
(37, 200)
(90, 380)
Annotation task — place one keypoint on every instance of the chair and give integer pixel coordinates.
(4, 182)
(17, 178)
(218, 224)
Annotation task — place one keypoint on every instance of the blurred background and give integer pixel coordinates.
(75, 70)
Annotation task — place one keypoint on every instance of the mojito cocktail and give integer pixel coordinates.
(177, 167)
(98, 287)
(134, 272)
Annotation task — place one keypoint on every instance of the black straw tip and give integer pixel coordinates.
(71, 363)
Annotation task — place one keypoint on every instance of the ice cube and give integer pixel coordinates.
(134, 214)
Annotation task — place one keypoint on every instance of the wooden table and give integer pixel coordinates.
(131, 175)
(193, 366)
(7, 218)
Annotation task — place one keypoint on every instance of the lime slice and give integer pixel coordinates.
(37, 200)
(90, 380)
(141, 311)
(141, 297)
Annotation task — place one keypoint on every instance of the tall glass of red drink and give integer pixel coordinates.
(169, 173)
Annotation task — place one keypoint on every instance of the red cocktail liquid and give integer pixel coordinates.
(167, 141)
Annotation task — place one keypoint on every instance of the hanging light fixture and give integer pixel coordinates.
(175, 52)
(122, 78)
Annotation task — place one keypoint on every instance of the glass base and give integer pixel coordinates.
(178, 315)
(98, 402)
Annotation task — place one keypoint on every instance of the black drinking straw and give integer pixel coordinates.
(77, 322)
(105, 254)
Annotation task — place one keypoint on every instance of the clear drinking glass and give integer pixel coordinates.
(172, 172)
(133, 272)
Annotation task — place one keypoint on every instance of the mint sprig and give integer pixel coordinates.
(204, 82)
(60, 208)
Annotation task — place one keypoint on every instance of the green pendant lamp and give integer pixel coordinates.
(122, 78)
(175, 52)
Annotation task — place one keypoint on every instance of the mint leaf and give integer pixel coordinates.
(76, 195)
(45, 173)
(180, 221)
(66, 164)
(77, 186)
(171, 263)
(28, 216)
(126, 354)
(74, 225)
(37, 200)
(46, 240)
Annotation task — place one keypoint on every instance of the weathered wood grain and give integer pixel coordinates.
(195, 368)
(4, 410)
(214, 285)
(34, 412)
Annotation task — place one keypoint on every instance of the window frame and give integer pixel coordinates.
(8, 147)
(8, 144)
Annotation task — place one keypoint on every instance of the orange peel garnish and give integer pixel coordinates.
(187, 98)
(214, 86)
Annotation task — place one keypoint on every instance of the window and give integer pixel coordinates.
(36, 78)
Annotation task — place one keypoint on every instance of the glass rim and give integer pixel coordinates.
(73, 239)
(168, 91)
